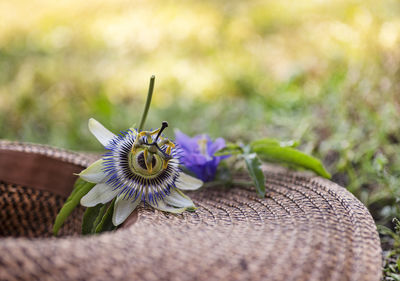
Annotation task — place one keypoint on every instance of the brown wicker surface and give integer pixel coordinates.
(306, 228)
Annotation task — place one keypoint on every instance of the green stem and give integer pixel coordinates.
(243, 183)
(148, 102)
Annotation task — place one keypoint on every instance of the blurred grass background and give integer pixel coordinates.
(322, 72)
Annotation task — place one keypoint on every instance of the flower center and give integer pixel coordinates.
(137, 163)
(153, 151)
(142, 163)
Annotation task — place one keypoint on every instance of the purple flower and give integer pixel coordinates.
(198, 154)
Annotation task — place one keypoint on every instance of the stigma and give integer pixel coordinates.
(153, 149)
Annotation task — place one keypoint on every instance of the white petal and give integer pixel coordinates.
(163, 207)
(94, 172)
(186, 182)
(100, 193)
(103, 135)
(178, 199)
(123, 208)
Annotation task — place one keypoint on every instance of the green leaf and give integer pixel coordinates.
(77, 185)
(229, 149)
(254, 168)
(395, 276)
(291, 156)
(89, 217)
(384, 230)
(81, 189)
(99, 218)
(398, 263)
(274, 142)
(106, 222)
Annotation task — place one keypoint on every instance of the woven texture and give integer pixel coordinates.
(28, 212)
(306, 228)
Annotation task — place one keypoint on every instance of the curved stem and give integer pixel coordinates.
(148, 102)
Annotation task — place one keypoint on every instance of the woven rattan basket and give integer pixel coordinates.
(306, 228)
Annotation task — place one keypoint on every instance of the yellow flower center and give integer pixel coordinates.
(138, 165)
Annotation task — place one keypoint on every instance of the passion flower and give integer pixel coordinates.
(137, 167)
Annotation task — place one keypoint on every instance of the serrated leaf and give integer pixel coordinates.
(89, 218)
(274, 142)
(106, 221)
(290, 156)
(253, 165)
(229, 149)
(81, 189)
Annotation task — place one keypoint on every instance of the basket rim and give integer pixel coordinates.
(305, 221)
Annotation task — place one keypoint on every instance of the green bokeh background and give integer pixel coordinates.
(322, 72)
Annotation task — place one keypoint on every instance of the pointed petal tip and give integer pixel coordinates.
(92, 123)
(103, 135)
(94, 173)
(186, 182)
(165, 208)
(191, 209)
(117, 220)
(178, 199)
(123, 208)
